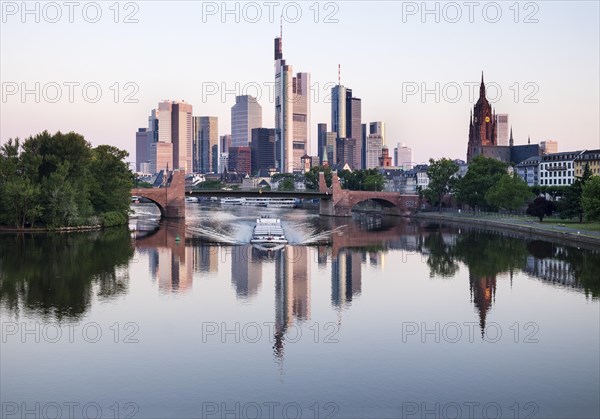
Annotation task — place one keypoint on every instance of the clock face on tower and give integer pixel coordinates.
(487, 119)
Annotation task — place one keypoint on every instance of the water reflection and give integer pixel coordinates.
(58, 275)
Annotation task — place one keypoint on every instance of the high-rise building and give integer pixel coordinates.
(263, 151)
(161, 156)
(246, 115)
(483, 130)
(338, 110)
(548, 147)
(292, 113)
(321, 141)
(373, 151)
(346, 152)
(403, 156)
(331, 147)
(354, 126)
(143, 140)
(240, 160)
(225, 143)
(181, 133)
(346, 121)
(378, 127)
(206, 144)
(503, 128)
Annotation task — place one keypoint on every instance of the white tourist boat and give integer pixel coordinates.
(261, 202)
(268, 232)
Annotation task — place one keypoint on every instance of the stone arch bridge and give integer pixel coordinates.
(334, 201)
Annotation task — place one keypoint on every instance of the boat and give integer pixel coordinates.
(232, 201)
(268, 232)
(191, 199)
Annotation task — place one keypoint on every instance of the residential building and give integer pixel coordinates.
(246, 115)
(590, 157)
(558, 169)
(528, 169)
(422, 177)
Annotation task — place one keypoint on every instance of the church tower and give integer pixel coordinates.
(483, 130)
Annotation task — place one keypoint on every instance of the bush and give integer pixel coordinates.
(114, 218)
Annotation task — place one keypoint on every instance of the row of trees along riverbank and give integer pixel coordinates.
(488, 186)
(55, 181)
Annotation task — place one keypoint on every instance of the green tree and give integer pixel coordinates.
(311, 178)
(570, 204)
(20, 201)
(442, 180)
(590, 199)
(510, 192)
(483, 174)
(60, 198)
(111, 180)
(287, 184)
(540, 207)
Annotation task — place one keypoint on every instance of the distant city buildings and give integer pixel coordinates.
(346, 123)
(206, 144)
(373, 150)
(591, 158)
(403, 156)
(292, 113)
(263, 151)
(385, 160)
(246, 115)
(528, 170)
(143, 139)
(378, 127)
(503, 128)
(548, 147)
(240, 160)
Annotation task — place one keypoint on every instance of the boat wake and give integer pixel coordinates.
(240, 234)
(304, 233)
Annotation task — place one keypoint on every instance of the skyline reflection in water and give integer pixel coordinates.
(364, 286)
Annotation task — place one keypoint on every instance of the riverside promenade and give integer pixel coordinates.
(569, 233)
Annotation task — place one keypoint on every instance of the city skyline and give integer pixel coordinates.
(562, 101)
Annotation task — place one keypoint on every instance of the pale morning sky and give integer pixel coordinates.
(546, 65)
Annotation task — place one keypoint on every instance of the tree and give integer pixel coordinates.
(510, 192)
(590, 199)
(442, 179)
(311, 178)
(287, 184)
(483, 173)
(570, 205)
(20, 200)
(112, 180)
(540, 207)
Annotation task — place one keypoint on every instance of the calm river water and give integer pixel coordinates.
(360, 317)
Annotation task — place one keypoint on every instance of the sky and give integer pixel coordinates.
(99, 68)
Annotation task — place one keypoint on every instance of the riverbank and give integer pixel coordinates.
(5, 229)
(556, 232)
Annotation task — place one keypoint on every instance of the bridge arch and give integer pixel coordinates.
(163, 212)
(171, 199)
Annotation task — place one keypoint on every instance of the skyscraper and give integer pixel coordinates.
(143, 139)
(378, 127)
(354, 126)
(263, 151)
(321, 141)
(503, 128)
(338, 110)
(240, 160)
(483, 130)
(206, 144)
(403, 156)
(373, 151)
(246, 115)
(346, 121)
(292, 113)
(181, 133)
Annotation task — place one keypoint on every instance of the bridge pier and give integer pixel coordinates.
(170, 200)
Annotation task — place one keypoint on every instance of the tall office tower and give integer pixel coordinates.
(548, 147)
(374, 145)
(246, 115)
(240, 160)
(206, 144)
(160, 151)
(403, 156)
(483, 130)
(338, 110)
(181, 133)
(378, 127)
(363, 140)
(225, 143)
(143, 139)
(331, 147)
(346, 151)
(503, 128)
(321, 141)
(292, 113)
(163, 116)
(161, 156)
(353, 126)
(263, 151)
